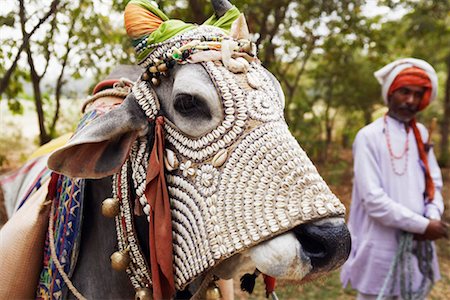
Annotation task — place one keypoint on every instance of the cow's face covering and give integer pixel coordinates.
(235, 175)
(244, 180)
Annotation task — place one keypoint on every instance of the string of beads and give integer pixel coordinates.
(393, 157)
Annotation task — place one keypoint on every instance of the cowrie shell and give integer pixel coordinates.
(170, 160)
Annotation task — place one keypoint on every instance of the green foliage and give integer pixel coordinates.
(14, 89)
(15, 106)
(7, 20)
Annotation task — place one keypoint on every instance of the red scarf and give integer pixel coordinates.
(160, 224)
(429, 184)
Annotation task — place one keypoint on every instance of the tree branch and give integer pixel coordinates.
(292, 87)
(47, 43)
(60, 82)
(35, 79)
(26, 38)
(280, 13)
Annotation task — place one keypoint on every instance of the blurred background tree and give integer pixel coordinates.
(323, 52)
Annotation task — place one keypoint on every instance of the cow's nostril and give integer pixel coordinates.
(312, 246)
(327, 244)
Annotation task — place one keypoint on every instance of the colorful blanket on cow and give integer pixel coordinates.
(67, 220)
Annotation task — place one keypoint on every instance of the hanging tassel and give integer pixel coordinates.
(160, 225)
(52, 186)
(248, 281)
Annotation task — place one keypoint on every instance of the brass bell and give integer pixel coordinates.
(143, 294)
(213, 292)
(110, 207)
(120, 260)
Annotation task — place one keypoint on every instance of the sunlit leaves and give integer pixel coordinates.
(7, 20)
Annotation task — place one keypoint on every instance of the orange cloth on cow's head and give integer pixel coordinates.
(413, 76)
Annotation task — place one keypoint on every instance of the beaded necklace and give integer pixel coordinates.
(392, 155)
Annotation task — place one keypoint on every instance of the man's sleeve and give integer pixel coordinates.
(435, 208)
(374, 199)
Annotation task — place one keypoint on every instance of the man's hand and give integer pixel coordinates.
(435, 230)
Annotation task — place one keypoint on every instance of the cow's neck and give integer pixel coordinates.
(98, 242)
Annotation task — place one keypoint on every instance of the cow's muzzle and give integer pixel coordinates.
(326, 242)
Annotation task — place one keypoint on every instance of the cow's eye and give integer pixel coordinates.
(191, 106)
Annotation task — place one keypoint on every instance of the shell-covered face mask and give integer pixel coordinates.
(246, 180)
(242, 181)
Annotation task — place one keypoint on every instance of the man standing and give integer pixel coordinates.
(397, 190)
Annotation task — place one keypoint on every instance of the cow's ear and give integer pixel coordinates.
(101, 147)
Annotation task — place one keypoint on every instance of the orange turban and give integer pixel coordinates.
(413, 76)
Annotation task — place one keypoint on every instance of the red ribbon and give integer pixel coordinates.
(52, 186)
(161, 254)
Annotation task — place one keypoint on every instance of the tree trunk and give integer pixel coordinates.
(292, 88)
(444, 158)
(329, 130)
(44, 137)
(328, 118)
(58, 90)
(60, 82)
(36, 80)
(197, 11)
(269, 51)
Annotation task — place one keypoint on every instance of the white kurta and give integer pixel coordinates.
(385, 203)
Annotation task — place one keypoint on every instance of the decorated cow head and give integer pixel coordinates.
(240, 187)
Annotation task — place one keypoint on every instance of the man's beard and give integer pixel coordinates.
(399, 115)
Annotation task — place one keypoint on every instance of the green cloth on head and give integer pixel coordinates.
(150, 7)
(226, 20)
(171, 28)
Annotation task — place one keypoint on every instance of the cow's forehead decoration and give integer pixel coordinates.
(244, 182)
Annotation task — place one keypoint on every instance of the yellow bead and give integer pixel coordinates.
(143, 294)
(153, 69)
(110, 207)
(120, 260)
(162, 68)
